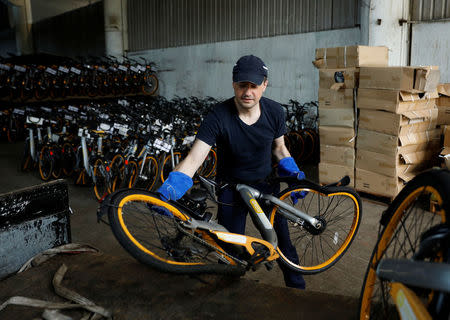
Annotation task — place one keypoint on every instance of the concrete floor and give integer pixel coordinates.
(343, 279)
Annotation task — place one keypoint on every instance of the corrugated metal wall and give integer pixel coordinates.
(430, 10)
(77, 32)
(160, 24)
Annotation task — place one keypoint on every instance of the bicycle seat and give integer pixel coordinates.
(197, 195)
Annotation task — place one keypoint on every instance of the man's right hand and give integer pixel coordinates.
(175, 186)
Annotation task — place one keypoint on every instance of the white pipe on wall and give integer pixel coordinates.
(113, 28)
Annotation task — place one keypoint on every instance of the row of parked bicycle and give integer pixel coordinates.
(23, 80)
(120, 143)
(302, 138)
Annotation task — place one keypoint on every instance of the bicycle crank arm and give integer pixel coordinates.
(290, 210)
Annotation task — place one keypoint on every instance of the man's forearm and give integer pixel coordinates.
(194, 159)
(281, 152)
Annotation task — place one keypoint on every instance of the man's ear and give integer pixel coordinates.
(265, 83)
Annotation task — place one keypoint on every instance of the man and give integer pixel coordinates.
(247, 130)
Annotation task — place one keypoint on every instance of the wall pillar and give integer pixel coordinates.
(20, 13)
(113, 28)
(380, 27)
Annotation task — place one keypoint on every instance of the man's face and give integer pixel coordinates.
(248, 94)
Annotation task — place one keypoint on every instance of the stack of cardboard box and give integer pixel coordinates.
(443, 104)
(338, 80)
(445, 152)
(397, 135)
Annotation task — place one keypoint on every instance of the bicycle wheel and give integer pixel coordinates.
(422, 204)
(68, 159)
(101, 181)
(159, 240)
(117, 172)
(209, 165)
(45, 163)
(149, 175)
(339, 210)
(150, 84)
(131, 173)
(167, 167)
(57, 163)
(26, 162)
(297, 145)
(310, 145)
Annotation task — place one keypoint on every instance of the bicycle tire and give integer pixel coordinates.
(321, 203)
(68, 159)
(209, 165)
(101, 189)
(11, 134)
(57, 164)
(26, 162)
(401, 225)
(45, 163)
(297, 144)
(147, 179)
(166, 166)
(155, 239)
(132, 172)
(151, 85)
(117, 166)
(310, 145)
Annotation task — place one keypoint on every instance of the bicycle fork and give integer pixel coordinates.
(258, 216)
(33, 153)
(263, 224)
(87, 166)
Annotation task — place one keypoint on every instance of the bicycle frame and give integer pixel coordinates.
(250, 196)
(405, 273)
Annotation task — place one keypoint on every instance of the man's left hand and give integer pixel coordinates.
(288, 168)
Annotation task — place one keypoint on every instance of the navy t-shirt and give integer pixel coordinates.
(244, 152)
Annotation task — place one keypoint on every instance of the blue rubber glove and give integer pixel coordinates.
(288, 168)
(175, 186)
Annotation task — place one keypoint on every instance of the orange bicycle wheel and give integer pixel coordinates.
(166, 167)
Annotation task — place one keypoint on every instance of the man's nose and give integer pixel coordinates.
(247, 88)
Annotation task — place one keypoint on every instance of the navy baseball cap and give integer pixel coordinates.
(251, 69)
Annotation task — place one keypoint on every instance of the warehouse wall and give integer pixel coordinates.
(205, 70)
(431, 46)
(380, 27)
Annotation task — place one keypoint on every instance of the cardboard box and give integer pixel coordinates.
(394, 101)
(445, 153)
(345, 78)
(351, 56)
(411, 79)
(389, 144)
(378, 184)
(443, 103)
(398, 124)
(444, 89)
(330, 173)
(344, 156)
(337, 136)
(394, 165)
(329, 98)
(337, 117)
(427, 78)
(447, 136)
(443, 115)
(434, 144)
